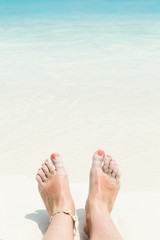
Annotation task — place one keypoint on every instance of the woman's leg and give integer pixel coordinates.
(104, 186)
(61, 227)
(54, 189)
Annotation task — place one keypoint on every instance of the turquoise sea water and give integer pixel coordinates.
(17, 8)
(76, 22)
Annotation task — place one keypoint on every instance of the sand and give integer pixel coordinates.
(74, 95)
(23, 215)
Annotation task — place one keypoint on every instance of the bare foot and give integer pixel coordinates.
(104, 185)
(53, 185)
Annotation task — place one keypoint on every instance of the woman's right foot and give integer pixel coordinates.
(104, 186)
(53, 185)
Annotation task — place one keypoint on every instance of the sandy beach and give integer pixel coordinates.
(73, 87)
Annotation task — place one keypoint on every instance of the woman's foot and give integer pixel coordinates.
(53, 185)
(104, 186)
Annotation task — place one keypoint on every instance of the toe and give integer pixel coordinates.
(42, 175)
(118, 175)
(45, 169)
(39, 179)
(115, 170)
(107, 160)
(50, 166)
(111, 166)
(58, 162)
(98, 159)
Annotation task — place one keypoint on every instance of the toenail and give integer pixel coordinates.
(109, 156)
(101, 152)
(54, 155)
(47, 160)
(39, 169)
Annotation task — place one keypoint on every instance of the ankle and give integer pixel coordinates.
(96, 205)
(96, 211)
(65, 204)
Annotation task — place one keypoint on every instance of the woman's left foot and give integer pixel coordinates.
(53, 185)
(104, 185)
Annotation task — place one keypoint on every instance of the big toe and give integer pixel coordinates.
(58, 163)
(98, 158)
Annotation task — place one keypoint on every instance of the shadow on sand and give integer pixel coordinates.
(41, 217)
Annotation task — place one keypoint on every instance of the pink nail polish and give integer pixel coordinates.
(54, 155)
(101, 152)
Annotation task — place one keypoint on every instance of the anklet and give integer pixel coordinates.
(67, 211)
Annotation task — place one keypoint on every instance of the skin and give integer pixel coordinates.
(103, 189)
(54, 189)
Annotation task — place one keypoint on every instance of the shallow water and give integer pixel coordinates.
(76, 84)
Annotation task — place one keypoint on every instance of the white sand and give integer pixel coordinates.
(23, 215)
(73, 97)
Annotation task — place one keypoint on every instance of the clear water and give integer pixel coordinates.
(77, 76)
